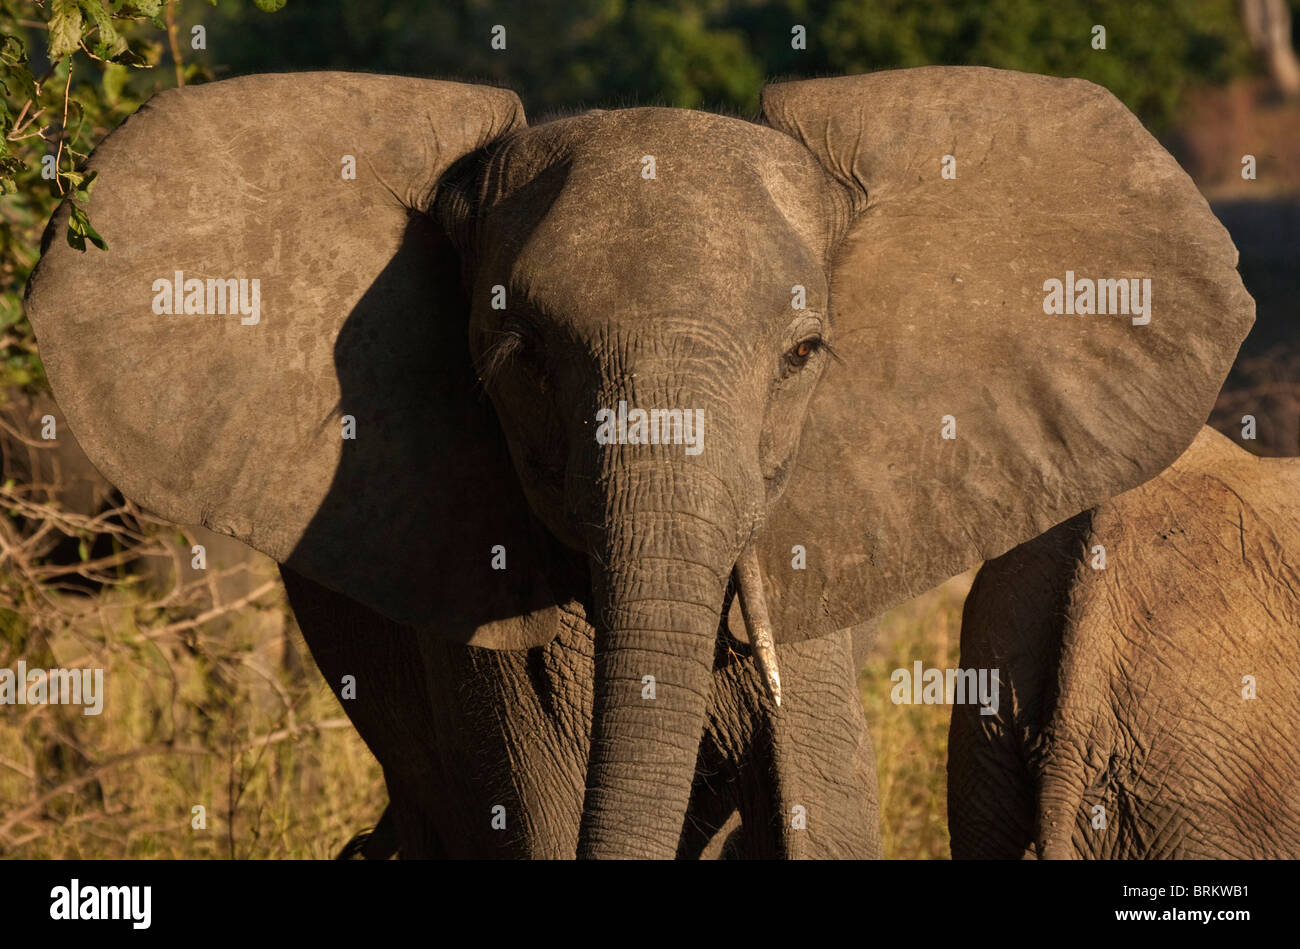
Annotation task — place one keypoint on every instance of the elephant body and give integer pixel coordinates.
(461, 730)
(1150, 708)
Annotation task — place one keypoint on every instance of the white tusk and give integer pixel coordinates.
(753, 606)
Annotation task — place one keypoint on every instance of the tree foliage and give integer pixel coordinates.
(718, 53)
(70, 71)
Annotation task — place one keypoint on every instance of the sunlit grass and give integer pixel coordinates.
(911, 741)
(230, 715)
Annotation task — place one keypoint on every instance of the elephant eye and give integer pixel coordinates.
(513, 344)
(799, 354)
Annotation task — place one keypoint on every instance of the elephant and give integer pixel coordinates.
(591, 449)
(1149, 659)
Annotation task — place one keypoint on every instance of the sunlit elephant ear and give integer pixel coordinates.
(972, 407)
(273, 344)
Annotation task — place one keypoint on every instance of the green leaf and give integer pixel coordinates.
(268, 6)
(109, 43)
(83, 550)
(139, 7)
(12, 49)
(65, 27)
(79, 230)
(83, 189)
(18, 82)
(10, 169)
(114, 81)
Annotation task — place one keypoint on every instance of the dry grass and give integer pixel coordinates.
(210, 699)
(911, 741)
(219, 714)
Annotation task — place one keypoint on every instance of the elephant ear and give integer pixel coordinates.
(324, 410)
(938, 315)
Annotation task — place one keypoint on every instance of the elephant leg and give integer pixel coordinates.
(805, 774)
(711, 815)
(512, 738)
(991, 801)
(713, 828)
(483, 751)
(385, 697)
(823, 756)
(1012, 624)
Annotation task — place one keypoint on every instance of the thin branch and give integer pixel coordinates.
(216, 611)
(172, 41)
(63, 129)
(72, 784)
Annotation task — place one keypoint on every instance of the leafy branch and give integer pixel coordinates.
(70, 72)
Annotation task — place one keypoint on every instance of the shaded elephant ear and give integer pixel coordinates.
(938, 298)
(311, 189)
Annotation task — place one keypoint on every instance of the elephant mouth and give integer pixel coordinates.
(753, 606)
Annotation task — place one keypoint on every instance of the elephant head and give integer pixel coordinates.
(835, 321)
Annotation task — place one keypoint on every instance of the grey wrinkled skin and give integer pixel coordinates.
(1122, 688)
(511, 727)
(526, 687)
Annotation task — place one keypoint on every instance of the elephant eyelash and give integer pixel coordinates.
(509, 345)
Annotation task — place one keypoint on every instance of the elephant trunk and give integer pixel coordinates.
(660, 565)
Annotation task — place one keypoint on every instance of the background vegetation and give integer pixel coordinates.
(214, 700)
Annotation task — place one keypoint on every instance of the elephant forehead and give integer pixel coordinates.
(656, 203)
(670, 263)
(699, 157)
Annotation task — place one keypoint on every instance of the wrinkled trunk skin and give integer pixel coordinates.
(663, 530)
(660, 568)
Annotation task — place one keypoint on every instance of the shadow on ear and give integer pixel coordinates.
(967, 412)
(315, 189)
(425, 498)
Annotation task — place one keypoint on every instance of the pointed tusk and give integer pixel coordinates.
(753, 606)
